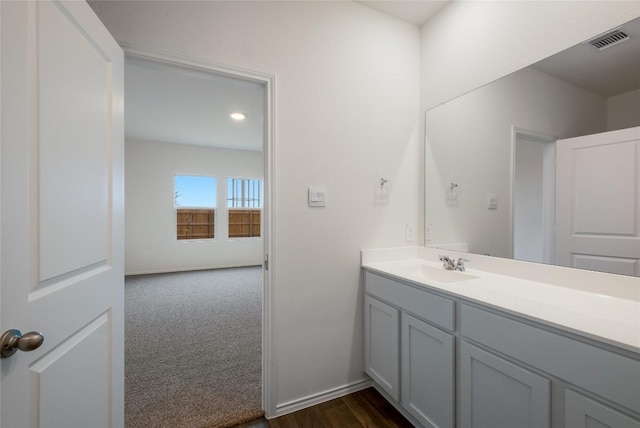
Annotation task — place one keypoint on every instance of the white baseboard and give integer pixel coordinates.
(188, 269)
(321, 397)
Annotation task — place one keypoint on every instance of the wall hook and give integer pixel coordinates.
(381, 194)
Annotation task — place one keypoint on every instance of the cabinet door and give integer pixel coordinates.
(497, 393)
(582, 412)
(427, 373)
(382, 345)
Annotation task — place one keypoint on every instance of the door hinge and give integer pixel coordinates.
(266, 261)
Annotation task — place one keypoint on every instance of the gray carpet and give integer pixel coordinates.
(193, 348)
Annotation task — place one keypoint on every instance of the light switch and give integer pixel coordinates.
(492, 202)
(408, 233)
(317, 196)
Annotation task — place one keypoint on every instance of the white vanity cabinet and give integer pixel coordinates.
(382, 342)
(498, 393)
(428, 362)
(418, 351)
(581, 412)
(611, 375)
(446, 361)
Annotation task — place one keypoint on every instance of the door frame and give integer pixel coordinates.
(549, 193)
(1, 139)
(269, 326)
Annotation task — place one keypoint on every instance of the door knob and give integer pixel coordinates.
(12, 340)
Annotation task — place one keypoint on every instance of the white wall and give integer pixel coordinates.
(528, 193)
(469, 143)
(623, 110)
(347, 114)
(471, 43)
(150, 225)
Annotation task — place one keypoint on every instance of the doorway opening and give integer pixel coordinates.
(532, 196)
(192, 270)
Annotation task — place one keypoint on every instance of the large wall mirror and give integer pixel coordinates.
(543, 165)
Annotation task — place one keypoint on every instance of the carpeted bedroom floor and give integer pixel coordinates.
(193, 348)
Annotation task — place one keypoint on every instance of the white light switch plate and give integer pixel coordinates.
(492, 202)
(317, 196)
(408, 233)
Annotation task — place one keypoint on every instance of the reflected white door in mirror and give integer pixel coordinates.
(598, 195)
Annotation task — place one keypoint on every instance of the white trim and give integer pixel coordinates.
(549, 200)
(189, 269)
(321, 397)
(2, 327)
(548, 193)
(269, 325)
(269, 321)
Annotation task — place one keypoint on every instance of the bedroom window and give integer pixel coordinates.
(194, 202)
(244, 202)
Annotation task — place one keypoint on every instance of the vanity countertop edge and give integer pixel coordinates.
(578, 302)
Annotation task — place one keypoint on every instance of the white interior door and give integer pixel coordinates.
(598, 202)
(61, 215)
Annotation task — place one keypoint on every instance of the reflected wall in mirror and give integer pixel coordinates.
(506, 177)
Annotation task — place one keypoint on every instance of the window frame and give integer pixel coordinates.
(260, 198)
(230, 209)
(177, 207)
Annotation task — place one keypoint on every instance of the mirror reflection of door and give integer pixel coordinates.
(598, 195)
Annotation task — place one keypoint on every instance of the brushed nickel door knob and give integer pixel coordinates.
(13, 340)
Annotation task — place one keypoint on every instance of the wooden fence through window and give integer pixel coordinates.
(196, 223)
(244, 223)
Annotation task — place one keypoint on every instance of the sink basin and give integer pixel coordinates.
(443, 275)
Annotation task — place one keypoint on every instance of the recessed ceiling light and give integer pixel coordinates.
(237, 116)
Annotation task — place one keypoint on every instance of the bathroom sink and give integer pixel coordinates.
(443, 275)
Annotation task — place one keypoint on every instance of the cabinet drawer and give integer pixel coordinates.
(423, 304)
(602, 372)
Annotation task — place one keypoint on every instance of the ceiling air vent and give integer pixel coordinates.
(607, 40)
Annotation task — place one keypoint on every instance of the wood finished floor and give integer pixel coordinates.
(366, 408)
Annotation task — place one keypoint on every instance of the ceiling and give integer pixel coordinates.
(415, 12)
(174, 105)
(609, 72)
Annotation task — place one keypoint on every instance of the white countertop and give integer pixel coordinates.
(598, 315)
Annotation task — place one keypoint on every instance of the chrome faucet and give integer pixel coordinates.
(460, 264)
(447, 262)
(450, 264)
